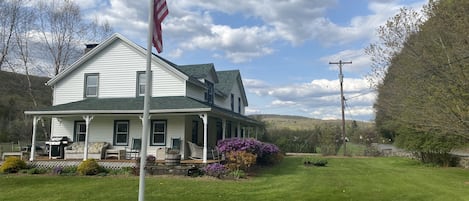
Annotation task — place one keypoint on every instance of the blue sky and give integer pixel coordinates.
(281, 47)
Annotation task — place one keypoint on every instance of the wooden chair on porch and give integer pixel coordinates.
(197, 152)
(134, 151)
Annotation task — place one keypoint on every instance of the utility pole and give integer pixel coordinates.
(342, 99)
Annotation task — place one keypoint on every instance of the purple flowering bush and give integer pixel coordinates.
(239, 144)
(266, 153)
(215, 170)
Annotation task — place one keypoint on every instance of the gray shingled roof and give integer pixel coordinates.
(120, 104)
(227, 81)
(135, 105)
(197, 70)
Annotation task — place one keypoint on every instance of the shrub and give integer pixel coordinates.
(37, 171)
(89, 167)
(122, 171)
(239, 144)
(68, 170)
(215, 170)
(317, 162)
(12, 165)
(270, 154)
(237, 160)
(270, 159)
(237, 174)
(265, 153)
(150, 160)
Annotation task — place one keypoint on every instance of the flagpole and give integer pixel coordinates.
(146, 106)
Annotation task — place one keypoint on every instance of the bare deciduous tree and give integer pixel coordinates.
(64, 31)
(9, 11)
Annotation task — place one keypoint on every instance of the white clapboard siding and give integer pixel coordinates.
(117, 66)
(225, 102)
(196, 92)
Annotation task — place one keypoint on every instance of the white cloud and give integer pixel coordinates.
(361, 62)
(191, 25)
(319, 98)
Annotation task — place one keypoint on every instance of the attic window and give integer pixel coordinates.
(91, 85)
(141, 82)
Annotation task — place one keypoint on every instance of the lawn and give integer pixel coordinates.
(343, 179)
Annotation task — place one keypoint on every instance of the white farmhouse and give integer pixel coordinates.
(99, 98)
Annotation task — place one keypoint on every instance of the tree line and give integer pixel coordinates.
(420, 69)
(322, 138)
(40, 37)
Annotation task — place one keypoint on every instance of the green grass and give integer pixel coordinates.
(360, 179)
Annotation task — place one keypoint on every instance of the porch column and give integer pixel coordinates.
(33, 141)
(204, 118)
(87, 122)
(224, 129)
(238, 133)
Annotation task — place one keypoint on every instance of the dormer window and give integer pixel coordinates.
(91, 85)
(209, 93)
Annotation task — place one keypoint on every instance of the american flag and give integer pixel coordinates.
(159, 13)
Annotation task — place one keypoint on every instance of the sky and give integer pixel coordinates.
(281, 47)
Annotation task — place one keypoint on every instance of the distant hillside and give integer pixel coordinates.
(274, 121)
(15, 99)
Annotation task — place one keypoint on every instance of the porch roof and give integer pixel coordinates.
(171, 104)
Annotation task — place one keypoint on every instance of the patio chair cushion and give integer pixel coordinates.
(95, 150)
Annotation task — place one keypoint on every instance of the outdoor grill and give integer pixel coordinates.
(56, 146)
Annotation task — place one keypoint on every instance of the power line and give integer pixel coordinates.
(361, 94)
(342, 99)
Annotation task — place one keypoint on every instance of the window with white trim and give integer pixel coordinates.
(80, 131)
(121, 132)
(141, 82)
(91, 85)
(158, 133)
(232, 102)
(239, 105)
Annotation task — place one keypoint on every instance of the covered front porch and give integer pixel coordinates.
(121, 130)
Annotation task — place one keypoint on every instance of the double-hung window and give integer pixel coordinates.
(80, 131)
(232, 102)
(158, 133)
(239, 105)
(91, 85)
(141, 82)
(121, 132)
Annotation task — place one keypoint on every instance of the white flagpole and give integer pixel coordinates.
(146, 107)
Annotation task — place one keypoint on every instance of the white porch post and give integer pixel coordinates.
(33, 141)
(238, 130)
(87, 122)
(224, 129)
(204, 118)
